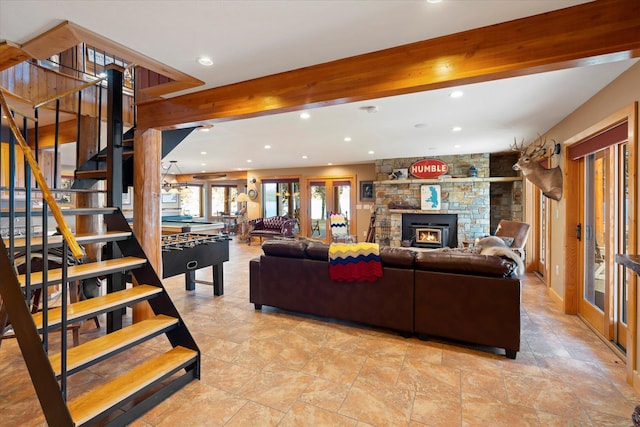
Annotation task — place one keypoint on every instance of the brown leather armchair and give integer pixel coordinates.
(517, 230)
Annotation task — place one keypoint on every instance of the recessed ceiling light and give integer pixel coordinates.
(205, 60)
(203, 171)
(304, 157)
(456, 129)
(203, 164)
(434, 1)
(347, 139)
(329, 164)
(371, 151)
(456, 94)
(457, 146)
(249, 161)
(267, 147)
(204, 153)
(305, 115)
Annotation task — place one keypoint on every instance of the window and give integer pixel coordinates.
(281, 197)
(191, 200)
(223, 199)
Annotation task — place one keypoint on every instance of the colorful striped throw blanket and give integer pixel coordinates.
(354, 262)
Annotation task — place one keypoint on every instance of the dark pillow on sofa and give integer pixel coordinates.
(396, 257)
(318, 251)
(464, 263)
(285, 248)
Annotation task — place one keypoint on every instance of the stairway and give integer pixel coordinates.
(95, 169)
(130, 392)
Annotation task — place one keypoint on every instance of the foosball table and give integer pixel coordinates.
(184, 253)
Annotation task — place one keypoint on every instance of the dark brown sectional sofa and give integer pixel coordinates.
(459, 296)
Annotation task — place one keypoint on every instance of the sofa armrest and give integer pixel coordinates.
(257, 224)
(288, 227)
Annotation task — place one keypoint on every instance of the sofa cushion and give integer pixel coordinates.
(396, 257)
(464, 263)
(318, 251)
(285, 248)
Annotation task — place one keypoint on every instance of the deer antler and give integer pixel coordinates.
(515, 147)
(536, 149)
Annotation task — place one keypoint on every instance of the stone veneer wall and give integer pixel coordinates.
(468, 198)
(506, 197)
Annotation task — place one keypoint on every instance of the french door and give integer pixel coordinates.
(326, 195)
(603, 232)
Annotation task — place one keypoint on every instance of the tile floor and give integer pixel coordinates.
(264, 368)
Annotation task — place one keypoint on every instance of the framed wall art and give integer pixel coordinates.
(430, 198)
(366, 191)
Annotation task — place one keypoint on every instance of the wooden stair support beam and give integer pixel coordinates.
(83, 271)
(97, 349)
(99, 400)
(589, 33)
(90, 307)
(147, 149)
(42, 183)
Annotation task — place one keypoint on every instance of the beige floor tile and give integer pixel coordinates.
(378, 405)
(437, 410)
(335, 365)
(305, 415)
(325, 394)
(255, 415)
(276, 387)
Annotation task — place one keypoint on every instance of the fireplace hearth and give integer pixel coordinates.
(430, 230)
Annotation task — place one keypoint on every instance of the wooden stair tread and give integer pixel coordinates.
(92, 173)
(83, 271)
(106, 396)
(56, 241)
(101, 304)
(112, 343)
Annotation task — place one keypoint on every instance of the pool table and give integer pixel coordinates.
(173, 227)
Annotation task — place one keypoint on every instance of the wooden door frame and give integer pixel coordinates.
(305, 204)
(573, 257)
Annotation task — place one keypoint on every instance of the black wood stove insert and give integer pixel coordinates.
(430, 230)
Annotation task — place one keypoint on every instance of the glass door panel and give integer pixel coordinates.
(624, 278)
(318, 210)
(595, 216)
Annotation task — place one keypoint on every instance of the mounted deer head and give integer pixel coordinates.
(548, 180)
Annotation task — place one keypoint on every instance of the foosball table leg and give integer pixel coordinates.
(190, 280)
(218, 284)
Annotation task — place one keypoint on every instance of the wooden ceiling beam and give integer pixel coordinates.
(590, 33)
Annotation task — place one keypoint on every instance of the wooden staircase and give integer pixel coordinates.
(115, 401)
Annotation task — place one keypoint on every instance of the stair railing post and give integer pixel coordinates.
(115, 282)
(27, 219)
(45, 278)
(64, 323)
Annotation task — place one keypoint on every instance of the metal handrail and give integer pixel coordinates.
(42, 183)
